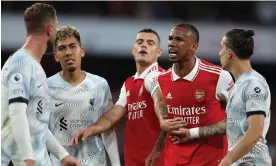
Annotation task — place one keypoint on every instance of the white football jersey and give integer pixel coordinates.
(76, 107)
(250, 95)
(24, 80)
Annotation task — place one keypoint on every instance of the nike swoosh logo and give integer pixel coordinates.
(56, 105)
(39, 85)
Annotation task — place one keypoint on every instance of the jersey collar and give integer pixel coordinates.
(191, 76)
(154, 66)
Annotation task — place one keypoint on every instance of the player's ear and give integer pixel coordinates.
(55, 56)
(50, 30)
(194, 47)
(82, 52)
(133, 51)
(159, 53)
(230, 54)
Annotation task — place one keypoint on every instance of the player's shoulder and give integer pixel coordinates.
(54, 79)
(254, 78)
(165, 73)
(95, 80)
(20, 58)
(210, 68)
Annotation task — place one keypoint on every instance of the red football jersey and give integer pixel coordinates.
(195, 98)
(142, 126)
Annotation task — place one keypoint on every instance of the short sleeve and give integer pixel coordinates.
(256, 96)
(106, 96)
(122, 101)
(19, 80)
(151, 81)
(224, 85)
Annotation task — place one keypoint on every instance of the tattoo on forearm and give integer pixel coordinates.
(160, 104)
(159, 145)
(213, 130)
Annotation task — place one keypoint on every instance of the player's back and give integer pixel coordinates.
(194, 100)
(24, 80)
(250, 95)
(75, 108)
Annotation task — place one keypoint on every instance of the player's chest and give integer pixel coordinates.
(235, 102)
(75, 99)
(136, 91)
(184, 92)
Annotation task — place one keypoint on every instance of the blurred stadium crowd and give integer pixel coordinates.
(117, 68)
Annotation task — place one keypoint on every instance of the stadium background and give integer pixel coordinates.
(108, 31)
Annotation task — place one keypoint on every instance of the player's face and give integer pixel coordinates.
(69, 54)
(146, 49)
(225, 55)
(181, 44)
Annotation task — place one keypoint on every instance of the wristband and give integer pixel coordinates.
(194, 132)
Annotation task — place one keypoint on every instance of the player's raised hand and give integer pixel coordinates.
(181, 135)
(172, 124)
(70, 161)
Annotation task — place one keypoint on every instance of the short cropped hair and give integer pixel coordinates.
(151, 31)
(241, 42)
(65, 32)
(37, 16)
(192, 28)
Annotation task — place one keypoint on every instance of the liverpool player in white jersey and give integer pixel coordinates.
(248, 109)
(25, 136)
(135, 103)
(78, 99)
(194, 90)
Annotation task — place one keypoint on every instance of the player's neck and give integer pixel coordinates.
(140, 68)
(184, 67)
(36, 45)
(73, 78)
(240, 67)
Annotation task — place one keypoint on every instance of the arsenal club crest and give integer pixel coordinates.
(199, 95)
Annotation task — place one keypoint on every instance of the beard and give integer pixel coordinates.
(71, 69)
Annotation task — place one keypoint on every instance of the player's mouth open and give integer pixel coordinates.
(143, 52)
(172, 52)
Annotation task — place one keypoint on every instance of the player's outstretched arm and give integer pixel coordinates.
(159, 145)
(103, 124)
(106, 121)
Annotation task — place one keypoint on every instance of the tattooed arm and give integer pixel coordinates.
(160, 106)
(212, 130)
(159, 145)
(183, 135)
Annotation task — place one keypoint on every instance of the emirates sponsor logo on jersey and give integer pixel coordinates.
(190, 115)
(136, 110)
(199, 95)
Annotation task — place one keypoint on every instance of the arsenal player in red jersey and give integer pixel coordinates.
(135, 103)
(195, 91)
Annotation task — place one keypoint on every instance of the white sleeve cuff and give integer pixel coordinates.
(55, 147)
(20, 130)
